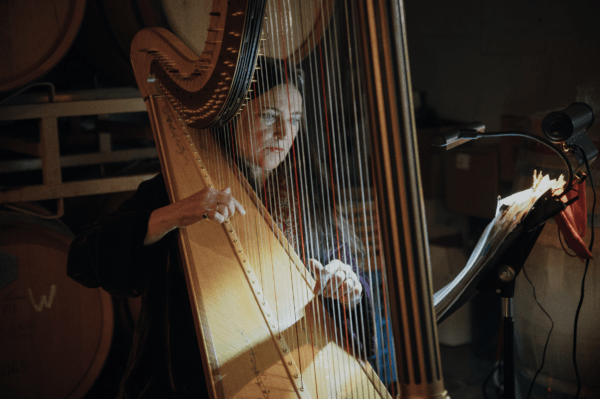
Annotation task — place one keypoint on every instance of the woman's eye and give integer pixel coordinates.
(267, 118)
(296, 121)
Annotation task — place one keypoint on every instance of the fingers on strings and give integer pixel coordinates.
(224, 206)
(336, 281)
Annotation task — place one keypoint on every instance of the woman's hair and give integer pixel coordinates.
(271, 73)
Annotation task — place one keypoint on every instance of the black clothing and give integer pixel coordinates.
(165, 360)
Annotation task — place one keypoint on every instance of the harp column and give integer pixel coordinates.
(400, 199)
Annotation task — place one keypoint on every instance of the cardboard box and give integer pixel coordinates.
(431, 161)
(472, 181)
(509, 146)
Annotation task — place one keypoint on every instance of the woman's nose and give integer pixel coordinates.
(283, 128)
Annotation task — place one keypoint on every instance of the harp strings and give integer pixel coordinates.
(366, 198)
(331, 215)
(322, 133)
(360, 316)
(312, 95)
(359, 113)
(305, 185)
(357, 110)
(309, 184)
(345, 119)
(278, 13)
(333, 243)
(333, 110)
(371, 223)
(341, 118)
(335, 133)
(321, 130)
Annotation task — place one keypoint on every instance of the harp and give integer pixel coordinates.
(262, 331)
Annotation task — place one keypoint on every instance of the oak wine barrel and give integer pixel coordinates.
(110, 26)
(55, 334)
(34, 36)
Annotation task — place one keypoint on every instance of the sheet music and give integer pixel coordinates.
(510, 211)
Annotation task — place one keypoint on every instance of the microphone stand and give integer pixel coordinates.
(501, 272)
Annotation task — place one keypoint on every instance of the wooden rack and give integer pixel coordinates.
(45, 154)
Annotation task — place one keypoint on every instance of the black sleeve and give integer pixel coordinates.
(111, 252)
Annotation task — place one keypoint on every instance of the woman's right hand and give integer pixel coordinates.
(216, 205)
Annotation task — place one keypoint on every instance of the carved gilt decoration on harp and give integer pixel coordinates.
(206, 90)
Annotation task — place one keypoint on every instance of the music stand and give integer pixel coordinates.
(499, 273)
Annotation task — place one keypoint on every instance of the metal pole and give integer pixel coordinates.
(508, 323)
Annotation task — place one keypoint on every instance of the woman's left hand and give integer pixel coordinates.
(337, 281)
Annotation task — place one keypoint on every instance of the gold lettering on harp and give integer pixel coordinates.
(258, 374)
(176, 137)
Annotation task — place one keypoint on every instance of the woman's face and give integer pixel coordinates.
(268, 126)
